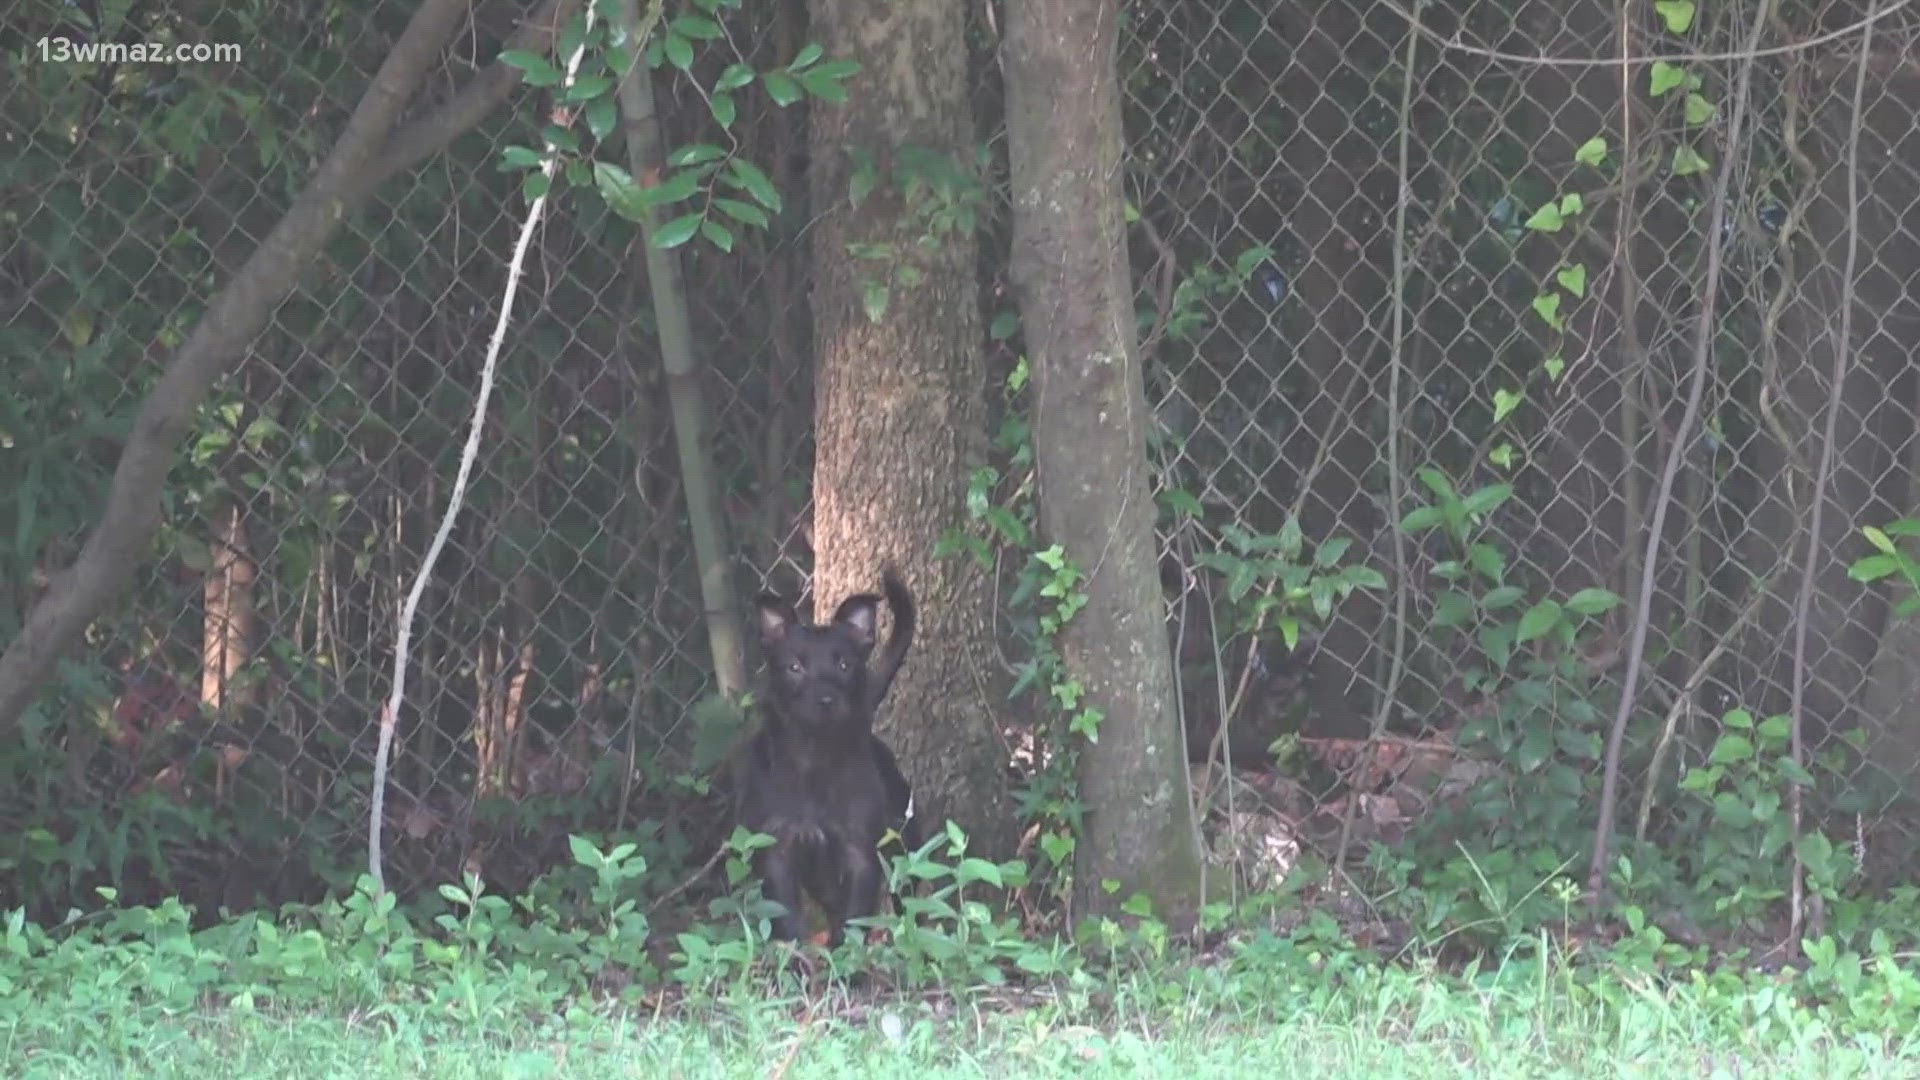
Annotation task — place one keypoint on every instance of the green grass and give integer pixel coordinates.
(927, 1046)
(356, 987)
(1253, 1018)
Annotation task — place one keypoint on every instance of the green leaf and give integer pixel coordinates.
(1547, 306)
(1664, 77)
(1732, 747)
(695, 154)
(1421, 517)
(673, 189)
(1698, 109)
(1546, 219)
(1817, 851)
(1555, 364)
(719, 235)
(807, 55)
(1330, 551)
(1777, 728)
(535, 70)
(1539, 619)
(1737, 718)
(1573, 279)
(1687, 161)
(573, 34)
(974, 869)
(1182, 502)
(1503, 597)
(1320, 598)
(734, 77)
(520, 157)
(1571, 204)
(561, 138)
(723, 110)
(584, 853)
(1592, 601)
(1677, 13)
(1366, 577)
(826, 89)
(588, 87)
(1592, 152)
(1240, 580)
(1485, 500)
(1534, 747)
(1874, 567)
(696, 27)
(1504, 402)
(1436, 482)
(1452, 608)
(535, 185)
(1292, 539)
(677, 232)
(873, 297)
(1575, 743)
(602, 114)
(1489, 560)
(747, 177)
(679, 51)
(744, 212)
(780, 87)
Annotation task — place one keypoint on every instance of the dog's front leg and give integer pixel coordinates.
(860, 895)
(780, 875)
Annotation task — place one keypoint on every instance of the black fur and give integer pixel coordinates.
(815, 776)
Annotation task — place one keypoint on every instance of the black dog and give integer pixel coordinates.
(815, 776)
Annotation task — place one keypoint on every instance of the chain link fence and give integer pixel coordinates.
(1461, 273)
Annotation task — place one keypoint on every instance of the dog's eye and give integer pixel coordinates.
(843, 663)
(794, 667)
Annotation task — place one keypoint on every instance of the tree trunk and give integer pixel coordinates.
(229, 619)
(1069, 267)
(900, 416)
(692, 421)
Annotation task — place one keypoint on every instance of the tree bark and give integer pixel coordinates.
(900, 413)
(686, 397)
(1070, 273)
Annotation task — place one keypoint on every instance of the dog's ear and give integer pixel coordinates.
(776, 617)
(858, 614)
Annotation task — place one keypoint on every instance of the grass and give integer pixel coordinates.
(1261, 1013)
(1457, 1044)
(356, 987)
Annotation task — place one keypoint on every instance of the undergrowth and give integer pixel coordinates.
(497, 970)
